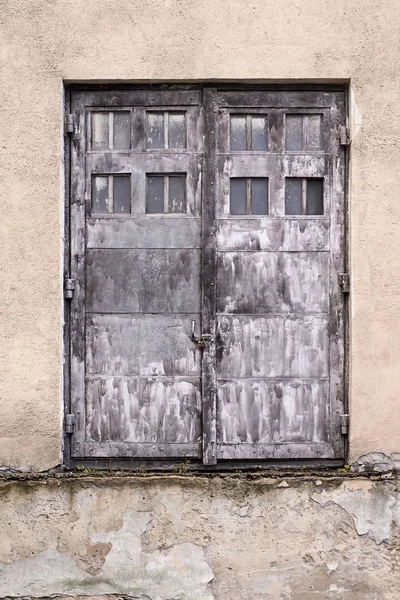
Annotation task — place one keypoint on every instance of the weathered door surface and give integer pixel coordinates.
(206, 242)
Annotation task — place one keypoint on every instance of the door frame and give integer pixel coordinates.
(210, 90)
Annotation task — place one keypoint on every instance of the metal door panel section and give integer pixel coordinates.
(135, 372)
(280, 354)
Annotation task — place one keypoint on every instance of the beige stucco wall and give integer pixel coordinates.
(44, 42)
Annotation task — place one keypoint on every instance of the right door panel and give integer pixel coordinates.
(280, 229)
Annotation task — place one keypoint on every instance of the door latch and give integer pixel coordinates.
(202, 338)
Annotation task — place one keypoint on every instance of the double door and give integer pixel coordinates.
(206, 241)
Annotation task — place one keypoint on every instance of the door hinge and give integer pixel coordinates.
(344, 424)
(70, 423)
(344, 283)
(344, 135)
(69, 288)
(69, 124)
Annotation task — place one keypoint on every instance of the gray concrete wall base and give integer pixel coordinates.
(200, 538)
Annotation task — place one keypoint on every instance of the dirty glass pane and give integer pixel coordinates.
(294, 132)
(177, 195)
(313, 124)
(315, 197)
(238, 132)
(155, 194)
(293, 205)
(238, 196)
(259, 133)
(122, 131)
(99, 127)
(100, 196)
(177, 130)
(259, 196)
(122, 194)
(155, 130)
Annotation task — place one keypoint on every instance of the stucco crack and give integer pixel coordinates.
(8, 469)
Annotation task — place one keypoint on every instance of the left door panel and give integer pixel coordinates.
(135, 257)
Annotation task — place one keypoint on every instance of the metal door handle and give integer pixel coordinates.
(202, 338)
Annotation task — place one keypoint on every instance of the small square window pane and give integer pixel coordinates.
(238, 196)
(99, 131)
(155, 130)
(155, 194)
(293, 196)
(122, 131)
(177, 194)
(259, 196)
(313, 129)
(294, 132)
(122, 194)
(177, 130)
(238, 132)
(100, 195)
(315, 197)
(259, 133)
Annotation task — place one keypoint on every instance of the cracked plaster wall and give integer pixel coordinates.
(185, 538)
(46, 42)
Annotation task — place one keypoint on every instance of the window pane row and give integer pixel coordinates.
(111, 194)
(167, 130)
(250, 132)
(112, 130)
(249, 196)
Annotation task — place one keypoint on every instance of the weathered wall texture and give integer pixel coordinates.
(44, 42)
(159, 538)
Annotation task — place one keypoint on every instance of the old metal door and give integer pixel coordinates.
(135, 257)
(280, 217)
(206, 242)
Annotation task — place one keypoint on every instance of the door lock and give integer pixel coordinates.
(202, 338)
